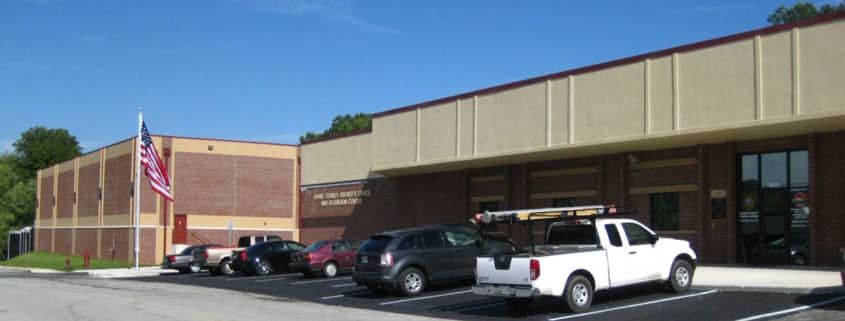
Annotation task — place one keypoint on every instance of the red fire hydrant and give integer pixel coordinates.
(86, 258)
(67, 263)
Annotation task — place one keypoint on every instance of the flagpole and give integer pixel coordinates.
(137, 192)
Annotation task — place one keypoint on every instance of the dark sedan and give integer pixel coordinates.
(182, 261)
(265, 258)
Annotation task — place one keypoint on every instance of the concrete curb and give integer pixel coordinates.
(102, 274)
(785, 290)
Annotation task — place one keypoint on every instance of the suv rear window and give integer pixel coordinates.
(562, 234)
(376, 243)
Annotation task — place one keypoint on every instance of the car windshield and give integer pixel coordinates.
(315, 246)
(376, 243)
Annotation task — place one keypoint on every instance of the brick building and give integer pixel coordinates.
(87, 203)
(735, 144)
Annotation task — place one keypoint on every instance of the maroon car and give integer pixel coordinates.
(326, 257)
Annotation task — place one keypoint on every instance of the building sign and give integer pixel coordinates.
(343, 198)
(800, 209)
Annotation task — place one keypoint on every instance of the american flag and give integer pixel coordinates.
(153, 167)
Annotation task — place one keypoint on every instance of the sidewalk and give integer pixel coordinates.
(100, 273)
(754, 279)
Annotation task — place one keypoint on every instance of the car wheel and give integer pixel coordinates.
(578, 293)
(195, 267)
(680, 279)
(264, 268)
(519, 304)
(411, 282)
(226, 267)
(330, 270)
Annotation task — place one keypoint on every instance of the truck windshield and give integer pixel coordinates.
(561, 234)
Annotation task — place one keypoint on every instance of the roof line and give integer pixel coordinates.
(338, 136)
(619, 62)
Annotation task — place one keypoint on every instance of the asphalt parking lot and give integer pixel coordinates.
(455, 301)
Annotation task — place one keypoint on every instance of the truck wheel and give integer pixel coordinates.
(578, 293)
(330, 270)
(520, 304)
(680, 279)
(226, 267)
(411, 282)
(195, 267)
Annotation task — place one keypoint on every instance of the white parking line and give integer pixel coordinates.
(344, 285)
(477, 307)
(425, 297)
(801, 308)
(332, 297)
(245, 278)
(323, 280)
(633, 305)
(272, 279)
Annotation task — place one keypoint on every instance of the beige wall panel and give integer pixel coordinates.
(609, 103)
(120, 149)
(232, 148)
(661, 95)
(512, 119)
(88, 221)
(467, 129)
(47, 172)
(716, 85)
(395, 138)
(67, 166)
(64, 222)
(559, 94)
(150, 219)
(822, 68)
(776, 75)
(337, 160)
(116, 220)
(90, 158)
(438, 132)
(239, 222)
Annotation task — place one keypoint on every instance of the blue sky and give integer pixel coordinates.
(271, 70)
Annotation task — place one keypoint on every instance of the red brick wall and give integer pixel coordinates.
(64, 199)
(45, 198)
(200, 236)
(122, 244)
(827, 203)
(148, 247)
(88, 196)
(64, 241)
(720, 235)
(45, 239)
(234, 185)
(117, 185)
(86, 239)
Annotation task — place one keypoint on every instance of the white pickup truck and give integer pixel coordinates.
(583, 252)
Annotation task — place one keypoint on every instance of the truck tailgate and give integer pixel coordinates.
(503, 270)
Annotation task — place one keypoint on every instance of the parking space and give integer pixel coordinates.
(456, 301)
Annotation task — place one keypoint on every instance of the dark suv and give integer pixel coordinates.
(408, 259)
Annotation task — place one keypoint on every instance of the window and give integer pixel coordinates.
(459, 239)
(566, 234)
(563, 202)
(613, 234)
(636, 234)
(277, 247)
(354, 244)
(259, 239)
(665, 211)
(491, 206)
(273, 238)
(340, 246)
(413, 241)
(316, 246)
(295, 246)
(432, 239)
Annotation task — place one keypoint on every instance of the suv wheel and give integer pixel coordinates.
(578, 293)
(195, 267)
(330, 270)
(226, 267)
(412, 282)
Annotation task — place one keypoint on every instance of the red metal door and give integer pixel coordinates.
(180, 229)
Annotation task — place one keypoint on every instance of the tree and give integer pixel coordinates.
(342, 124)
(40, 147)
(802, 10)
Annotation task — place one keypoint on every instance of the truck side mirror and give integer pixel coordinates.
(653, 238)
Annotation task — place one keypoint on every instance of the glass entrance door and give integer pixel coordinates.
(773, 212)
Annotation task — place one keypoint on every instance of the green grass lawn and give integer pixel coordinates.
(44, 260)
